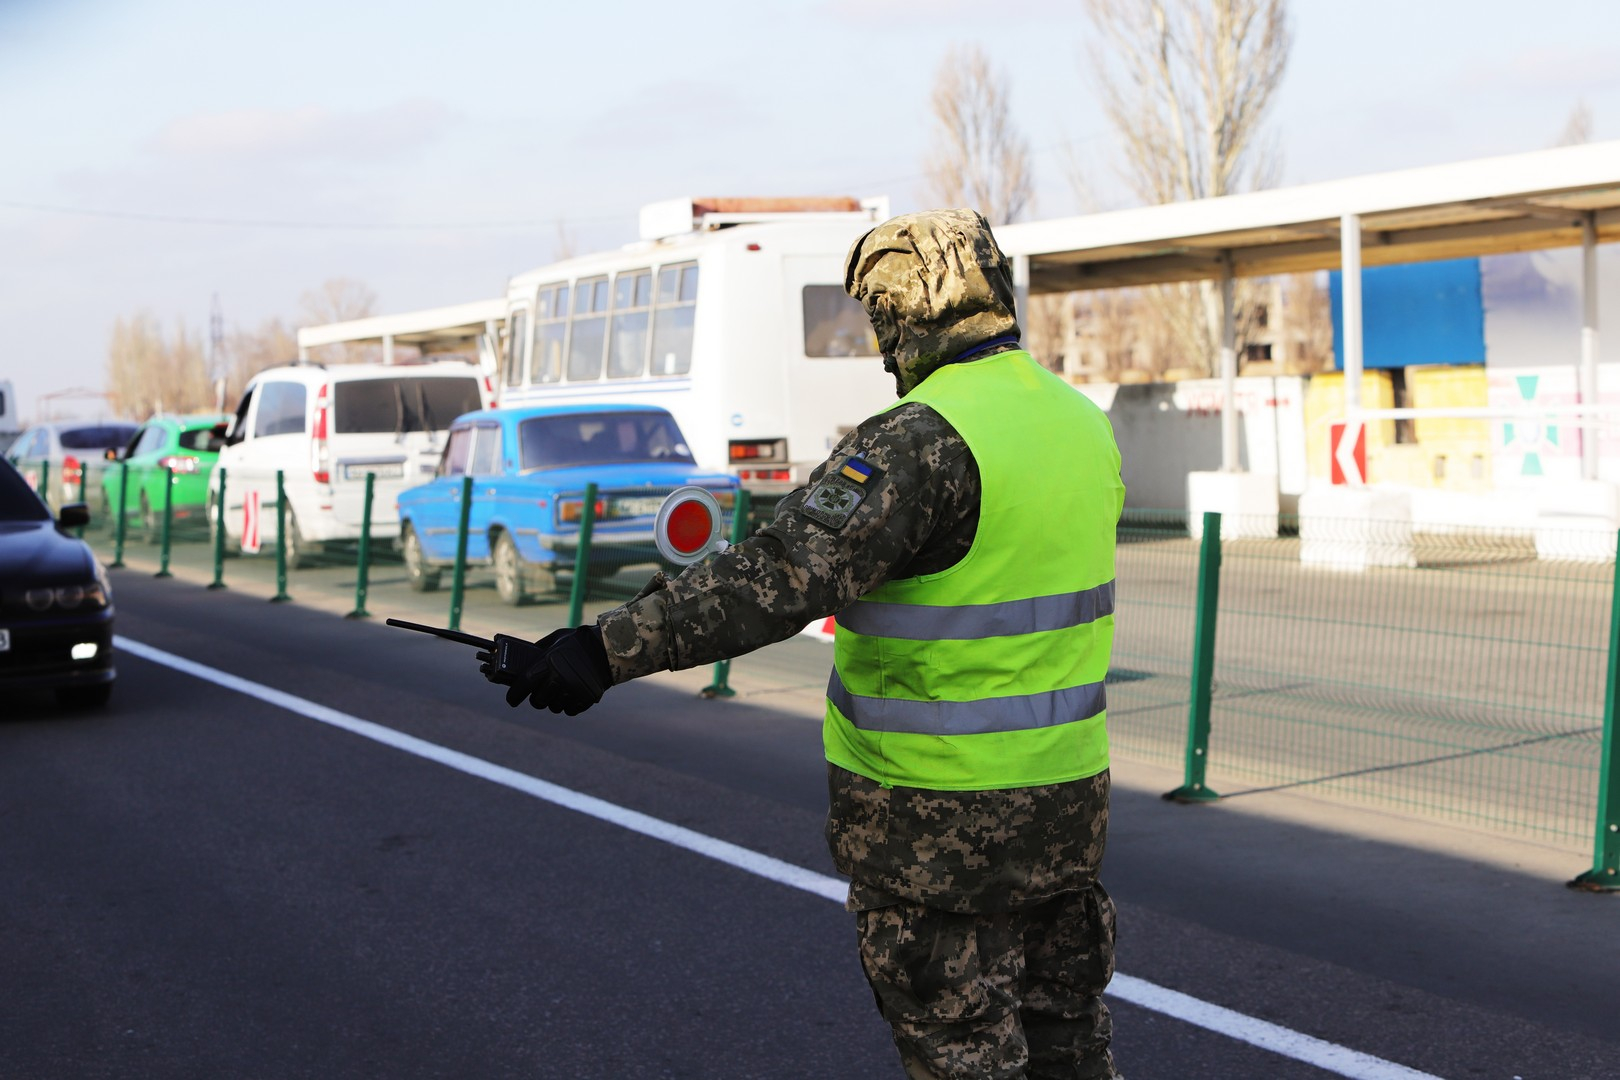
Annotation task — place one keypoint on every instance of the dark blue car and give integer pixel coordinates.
(530, 466)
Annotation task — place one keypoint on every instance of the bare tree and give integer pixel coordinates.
(1187, 85)
(150, 372)
(979, 159)
(249, 352)
(339, 300)
(1578, 127)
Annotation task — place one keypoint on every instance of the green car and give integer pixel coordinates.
(187, 444)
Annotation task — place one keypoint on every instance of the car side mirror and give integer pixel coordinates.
(73, 514)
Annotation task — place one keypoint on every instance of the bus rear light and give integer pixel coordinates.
(765, 474)
(761, 450)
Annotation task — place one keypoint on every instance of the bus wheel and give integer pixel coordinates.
(509, 571)
(421, 578)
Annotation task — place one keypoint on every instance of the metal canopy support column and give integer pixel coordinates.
(1588, 380)
(1350, 273)
(1229, 412)
(388, 348)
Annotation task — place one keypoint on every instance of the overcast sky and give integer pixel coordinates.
(432, 150)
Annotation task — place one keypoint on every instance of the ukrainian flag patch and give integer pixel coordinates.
(857, 470)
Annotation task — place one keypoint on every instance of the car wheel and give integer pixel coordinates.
(84, 697)
(417, 573)
(509, 570)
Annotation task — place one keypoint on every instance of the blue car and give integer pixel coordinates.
(530, 466)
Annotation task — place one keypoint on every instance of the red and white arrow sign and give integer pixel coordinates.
(250, 523)
(1349, 449)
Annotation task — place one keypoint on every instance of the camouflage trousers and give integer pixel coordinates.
(1011, 995)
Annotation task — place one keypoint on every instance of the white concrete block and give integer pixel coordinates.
(1354, 528)
(1578, 519)
(1247, 503)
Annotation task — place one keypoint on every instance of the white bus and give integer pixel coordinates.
(730, 313)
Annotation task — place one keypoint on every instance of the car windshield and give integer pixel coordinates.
(395, 405)
(98, 437)
(17, 500)
(601, 438)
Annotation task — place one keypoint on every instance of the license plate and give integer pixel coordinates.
(390, 470)
(5, 640)
(637, 506)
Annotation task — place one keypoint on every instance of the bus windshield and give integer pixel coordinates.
(601, 438)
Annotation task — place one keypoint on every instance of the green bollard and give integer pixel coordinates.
(45, 482)
(120, 524)
(582, 557)
(219, 536)
(363, 572)
(84, 471)
(168, 515)
(1193, 788)
(281, 539)
(739, 532)
(458, 578)
(1605, 873)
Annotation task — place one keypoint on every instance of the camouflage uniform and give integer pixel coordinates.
(983, 930)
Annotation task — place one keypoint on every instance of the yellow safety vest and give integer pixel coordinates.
(990, 674)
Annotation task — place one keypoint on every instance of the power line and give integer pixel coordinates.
(251, 223)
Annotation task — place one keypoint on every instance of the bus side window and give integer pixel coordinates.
(517, 337)
(673, 318)
(835, 324)
(627, 341)
(550, 334)
(588, 329)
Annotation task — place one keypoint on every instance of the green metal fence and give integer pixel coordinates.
(1468, 684)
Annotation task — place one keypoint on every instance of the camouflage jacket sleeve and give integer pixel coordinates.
(915, 512)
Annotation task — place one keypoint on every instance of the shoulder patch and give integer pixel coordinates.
(834, 498)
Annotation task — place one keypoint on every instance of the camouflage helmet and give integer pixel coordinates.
(934, 285)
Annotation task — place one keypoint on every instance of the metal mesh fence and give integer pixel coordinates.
(1466, 683)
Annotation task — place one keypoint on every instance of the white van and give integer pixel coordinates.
(324, 429)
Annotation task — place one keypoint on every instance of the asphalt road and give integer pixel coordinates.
(199, 883)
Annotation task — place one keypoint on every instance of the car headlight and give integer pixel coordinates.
(89, 596)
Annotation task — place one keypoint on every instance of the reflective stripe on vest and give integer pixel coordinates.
(1020, 713)
(918, 622)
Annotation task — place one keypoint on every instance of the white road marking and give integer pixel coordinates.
(1279, 1040)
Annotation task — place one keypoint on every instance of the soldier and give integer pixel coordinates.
(965, 539)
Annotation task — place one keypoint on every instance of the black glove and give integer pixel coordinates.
(570, 677)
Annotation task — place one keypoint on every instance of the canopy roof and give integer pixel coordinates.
(1525, 202)
(432, 330)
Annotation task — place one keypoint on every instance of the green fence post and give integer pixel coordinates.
(219, 536)
(1193, 788)
(118, 528)
(1605, 873)
(45, 482)
(168, 514)
(721, 687)
(363, 571)
(84, 471)
(582, 557)
(458, 580)
(281, 539)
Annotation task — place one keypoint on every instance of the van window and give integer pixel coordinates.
(486, 452)
(673, 318)
(632, 311)
(517, 336)
(281, 409)
(600, 438)
(97, 437)
(588, 329)
(401, 403)
(550, 334)
(835, 324)
(454, 461)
